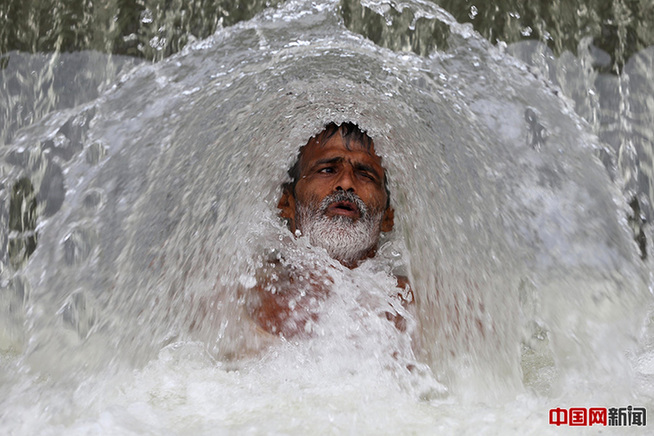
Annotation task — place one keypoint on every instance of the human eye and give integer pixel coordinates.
(368, 174)
(327, 170)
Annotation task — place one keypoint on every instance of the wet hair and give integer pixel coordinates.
(349, 132)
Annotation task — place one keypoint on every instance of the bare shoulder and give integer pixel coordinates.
(285, 302)
(403, 282)
(406, 294)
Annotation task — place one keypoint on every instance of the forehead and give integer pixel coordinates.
(337, 146)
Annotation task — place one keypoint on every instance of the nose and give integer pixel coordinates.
(345, 181)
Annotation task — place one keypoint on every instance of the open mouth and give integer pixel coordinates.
(344, 208)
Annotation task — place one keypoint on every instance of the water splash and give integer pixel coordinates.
(510, 229)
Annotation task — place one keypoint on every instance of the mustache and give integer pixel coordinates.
(344, 196)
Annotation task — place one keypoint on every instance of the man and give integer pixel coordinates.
(338, 199)
(338, 196)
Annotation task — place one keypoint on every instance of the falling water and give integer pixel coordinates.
(139, 208)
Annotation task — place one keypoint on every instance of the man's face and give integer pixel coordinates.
(339, 201)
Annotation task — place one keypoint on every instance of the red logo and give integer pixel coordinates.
(558, 416)
(612, 416)
(597, 415)
(578, 416)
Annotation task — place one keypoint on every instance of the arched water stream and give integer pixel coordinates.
(139, 205)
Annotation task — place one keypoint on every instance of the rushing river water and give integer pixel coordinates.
(136, 194)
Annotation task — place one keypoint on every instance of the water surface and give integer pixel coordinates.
(156, 191)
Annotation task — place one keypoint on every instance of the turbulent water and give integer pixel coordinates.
(139, 215)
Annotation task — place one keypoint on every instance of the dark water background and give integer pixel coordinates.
(154, 29)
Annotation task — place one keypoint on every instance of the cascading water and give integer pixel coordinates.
(138, 219)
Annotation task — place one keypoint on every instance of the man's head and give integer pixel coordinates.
(338, 196)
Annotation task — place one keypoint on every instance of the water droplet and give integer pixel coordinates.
(78, 315)
(473, 12)
(95, 153)
(146, 16)
(93, 199)
(78, 244)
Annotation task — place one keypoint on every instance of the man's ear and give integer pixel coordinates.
(388, 220)
(286, 207)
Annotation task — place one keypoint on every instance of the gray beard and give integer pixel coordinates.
(345, 239)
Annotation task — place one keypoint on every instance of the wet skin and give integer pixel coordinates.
(325, 168)
(286, 305)
(330, 167)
